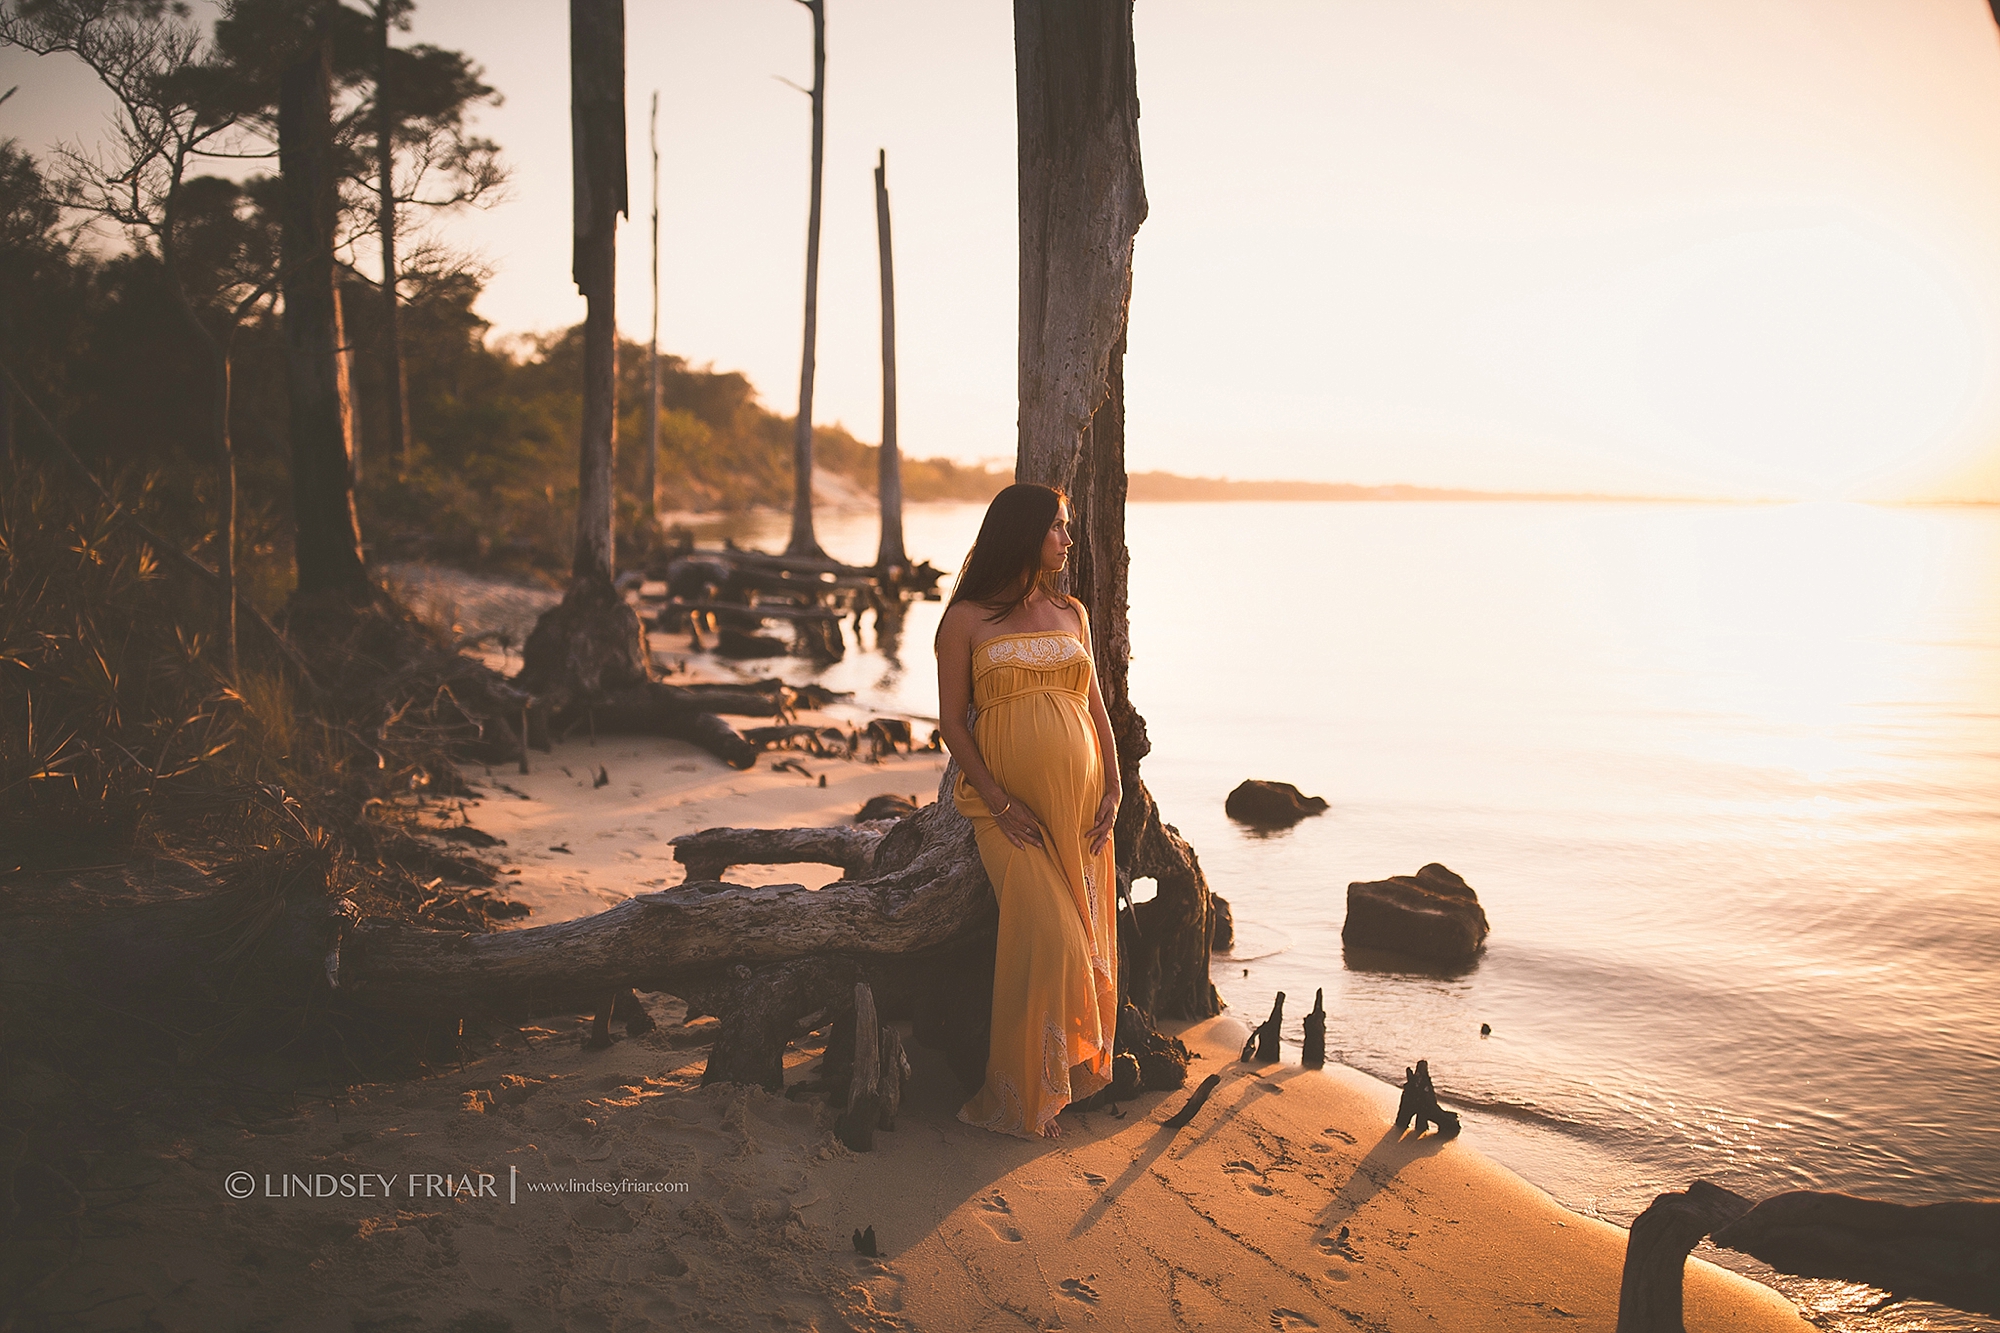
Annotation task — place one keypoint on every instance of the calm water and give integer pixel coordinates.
(1727, 780)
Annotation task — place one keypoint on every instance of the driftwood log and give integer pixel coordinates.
(1943, 1252)
(711, 852)
(927, 887)
(648, 708)
(919, 928)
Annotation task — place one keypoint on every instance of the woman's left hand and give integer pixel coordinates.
(1107, 819)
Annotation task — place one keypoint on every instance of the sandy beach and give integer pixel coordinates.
(550, 1187)
(545, 1186)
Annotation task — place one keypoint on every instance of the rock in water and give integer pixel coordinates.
(1271, 804)
(1432, 914)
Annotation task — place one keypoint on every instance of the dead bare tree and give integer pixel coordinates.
(592, 642)
(803, 542)
(1082, 199)
(889, 485)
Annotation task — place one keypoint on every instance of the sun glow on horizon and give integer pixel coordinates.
(1813, 358)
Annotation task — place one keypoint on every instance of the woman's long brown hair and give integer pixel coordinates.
(1007, 553)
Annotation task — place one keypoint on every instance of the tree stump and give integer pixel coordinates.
(1418, 1107)
(856, 1126)
(589, 644)
(1314, 1056)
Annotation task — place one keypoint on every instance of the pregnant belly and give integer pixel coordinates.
(1043, 750)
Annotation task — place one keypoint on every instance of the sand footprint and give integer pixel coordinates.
(1340, 1134)
(1249, 1168)
(1080, 1289)
(882, 1291)
(1285, 1320)
(999, 1211)
(1340, 1245)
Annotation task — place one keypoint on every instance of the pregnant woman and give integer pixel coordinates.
(1038, 778)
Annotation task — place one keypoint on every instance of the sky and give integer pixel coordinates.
(1732, 248)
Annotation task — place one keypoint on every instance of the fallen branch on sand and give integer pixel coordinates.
(1182, 1118)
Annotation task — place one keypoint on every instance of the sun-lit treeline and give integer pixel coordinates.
(492, 474)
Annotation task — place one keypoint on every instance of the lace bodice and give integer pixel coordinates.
(1032, 650)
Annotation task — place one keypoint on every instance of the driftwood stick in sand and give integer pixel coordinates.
(1185, 1116)
(1649, 1292)
(895, 1073)
(711, 852)
(1264, 1041)
(856, 1125)
(1315, 1045)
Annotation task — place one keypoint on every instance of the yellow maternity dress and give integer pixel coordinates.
(1055, 975)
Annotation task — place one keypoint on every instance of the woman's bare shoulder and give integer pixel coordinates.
(958, 623)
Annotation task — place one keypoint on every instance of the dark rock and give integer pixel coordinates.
(1221, 925)
(1271, 804)
(1432, 914)
(886, 806)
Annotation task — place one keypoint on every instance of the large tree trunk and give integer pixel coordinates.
(1082, 198)
(322, 426)
(803, 542)
(592, 641)
(889, 485)
(395, 381)
(597, 140)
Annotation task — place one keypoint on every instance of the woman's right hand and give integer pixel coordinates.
(1016, 821)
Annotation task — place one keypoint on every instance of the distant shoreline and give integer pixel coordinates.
(1169, 487)
(1158, 486)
